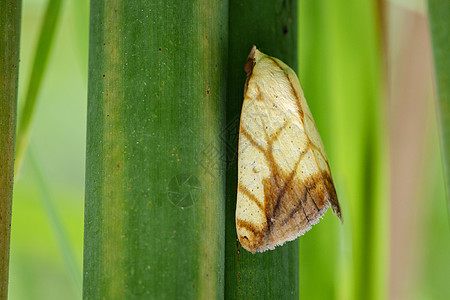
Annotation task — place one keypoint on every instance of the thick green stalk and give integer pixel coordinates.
(9, 70)
(272, 27)
(155, 205)
(439, 14)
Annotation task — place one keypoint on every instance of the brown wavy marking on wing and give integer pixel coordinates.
(259, 97)
(299, 106)
(302, 204)
(334, 202)
(292, 204)
(250, 196)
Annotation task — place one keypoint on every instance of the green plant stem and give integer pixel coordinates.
(439, 15)
(10, 13)
(272, 27)
(40, 60)
(155, 207)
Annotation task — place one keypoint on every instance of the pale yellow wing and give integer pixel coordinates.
(284, 180)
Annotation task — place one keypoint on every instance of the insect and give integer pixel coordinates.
(284, 180)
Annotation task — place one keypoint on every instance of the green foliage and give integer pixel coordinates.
(339, 68)
(154, 218)
(9, 70)
(41, 55)
(439, 15)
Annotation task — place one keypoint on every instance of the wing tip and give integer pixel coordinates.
(332, 198)
(333, 201)
(337, 211)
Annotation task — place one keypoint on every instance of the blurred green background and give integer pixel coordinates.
(331, 64)
(38, 269)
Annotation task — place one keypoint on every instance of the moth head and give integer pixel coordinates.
(249, 66)
(250, 62)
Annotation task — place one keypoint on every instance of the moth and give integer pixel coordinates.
(284, 179)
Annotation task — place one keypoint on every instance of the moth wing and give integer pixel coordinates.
(284, 181)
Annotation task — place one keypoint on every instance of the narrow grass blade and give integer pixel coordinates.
(439, 15)
(272, 27)
(56, 224)
(155, 207)
(40, 60)
(10, 13)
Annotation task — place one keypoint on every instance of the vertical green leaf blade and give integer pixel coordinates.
(154, 219)
(40, 60)
(272, 27)
(439, 15)
(9, 70)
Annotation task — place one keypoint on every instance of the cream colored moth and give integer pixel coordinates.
(284, 180)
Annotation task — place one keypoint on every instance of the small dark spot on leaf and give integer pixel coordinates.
(207, 92)
(285, 30)
(159, 49)
(104, 75)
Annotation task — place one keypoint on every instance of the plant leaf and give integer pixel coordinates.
(10, 13)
